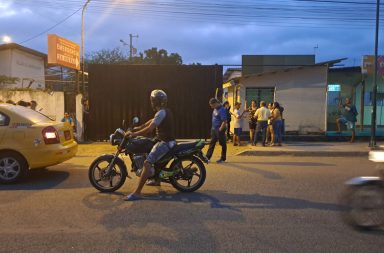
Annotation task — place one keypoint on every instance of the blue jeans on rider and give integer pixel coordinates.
(159, 150)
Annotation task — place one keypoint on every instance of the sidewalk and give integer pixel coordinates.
(317, 149)
(321, 149)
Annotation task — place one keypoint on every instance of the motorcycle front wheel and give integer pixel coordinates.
(190, 176)
(103, 181)
(363, 206)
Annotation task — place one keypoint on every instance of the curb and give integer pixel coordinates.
(305, 153)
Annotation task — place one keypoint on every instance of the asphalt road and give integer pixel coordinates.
(249, 204)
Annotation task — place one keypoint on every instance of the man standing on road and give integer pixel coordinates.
(219, 125)
(262, 115)
(348, 117)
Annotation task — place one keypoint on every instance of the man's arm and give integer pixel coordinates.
(223, 117)
(135, 129)
(148, 128)
(223, 126)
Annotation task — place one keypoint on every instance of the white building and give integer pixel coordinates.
(301, 90)
(26, 64)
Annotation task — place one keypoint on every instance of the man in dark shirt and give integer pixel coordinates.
(348, 118)
(219, 125)
(163, 123)
(229, 118)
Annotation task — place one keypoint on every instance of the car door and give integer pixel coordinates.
(4, 122)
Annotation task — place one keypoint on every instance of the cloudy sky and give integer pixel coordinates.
(205, 31)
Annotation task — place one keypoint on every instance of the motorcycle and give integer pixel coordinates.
(363, 199)
(182, 167)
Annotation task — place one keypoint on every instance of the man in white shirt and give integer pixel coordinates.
(238, 125)
(261, 115)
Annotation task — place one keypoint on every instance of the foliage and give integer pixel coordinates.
(6, 80)
(150, 56)
(106, 56)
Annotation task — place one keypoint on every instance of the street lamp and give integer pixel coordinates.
(82, 43)
(7, 39)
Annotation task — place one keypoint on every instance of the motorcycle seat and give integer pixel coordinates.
(181, 146)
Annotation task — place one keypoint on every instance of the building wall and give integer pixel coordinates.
(256, 64)
(5, 62)
(302, 93)
(51, 105)
(29, 66)
(25, 66)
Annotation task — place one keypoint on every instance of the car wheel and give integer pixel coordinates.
(12, 167)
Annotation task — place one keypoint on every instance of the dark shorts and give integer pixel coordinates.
(252, 125)
(237, 131)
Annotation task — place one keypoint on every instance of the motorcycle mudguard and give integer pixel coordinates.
(364, 181)
(119, 161)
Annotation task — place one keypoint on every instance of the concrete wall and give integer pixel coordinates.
(26, 67)
(51, 105)
(5, 62)
(302, 92)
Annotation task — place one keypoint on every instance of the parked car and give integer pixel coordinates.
(29, 140)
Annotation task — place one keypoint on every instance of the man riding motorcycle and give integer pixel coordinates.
(163, 123)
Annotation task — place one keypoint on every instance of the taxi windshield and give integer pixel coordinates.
(30, 114)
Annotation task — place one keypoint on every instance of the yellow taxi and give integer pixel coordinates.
(29, 139)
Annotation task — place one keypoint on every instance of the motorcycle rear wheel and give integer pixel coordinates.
(103, 182)
(364, 206)
(190, 168)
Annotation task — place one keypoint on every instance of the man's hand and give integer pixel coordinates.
(130, 134)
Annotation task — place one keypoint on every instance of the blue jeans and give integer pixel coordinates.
(277, 124)
(261, 126)
(159, 150)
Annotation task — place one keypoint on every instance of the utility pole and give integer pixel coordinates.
(130, 45)
(372, 142)
(82, 44)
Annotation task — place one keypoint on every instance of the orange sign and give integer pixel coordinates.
(63, 52)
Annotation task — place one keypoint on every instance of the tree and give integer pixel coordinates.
(150, 56)
(106, 56)
(154, 56)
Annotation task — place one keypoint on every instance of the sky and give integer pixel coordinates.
(204, 31)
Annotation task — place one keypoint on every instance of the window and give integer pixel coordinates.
(4, 119)
(334, 87)
(260, 94)
(30, 114)
(368, 97)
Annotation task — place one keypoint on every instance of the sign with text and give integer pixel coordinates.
(63, 52)
(369, 65)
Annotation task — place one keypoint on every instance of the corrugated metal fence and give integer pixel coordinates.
(118, 92)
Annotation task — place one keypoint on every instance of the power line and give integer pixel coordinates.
(45, 31)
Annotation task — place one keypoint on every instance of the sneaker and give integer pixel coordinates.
(220, 161)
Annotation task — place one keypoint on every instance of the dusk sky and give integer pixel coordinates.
(205, 31)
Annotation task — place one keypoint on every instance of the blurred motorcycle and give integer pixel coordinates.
(363, 199)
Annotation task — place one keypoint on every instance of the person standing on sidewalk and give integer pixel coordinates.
(269, 138)
(219, 125)
(228, 109)
(238, 125)
(262, 115)
(276, 124)
(252, 121)
(348, 117)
